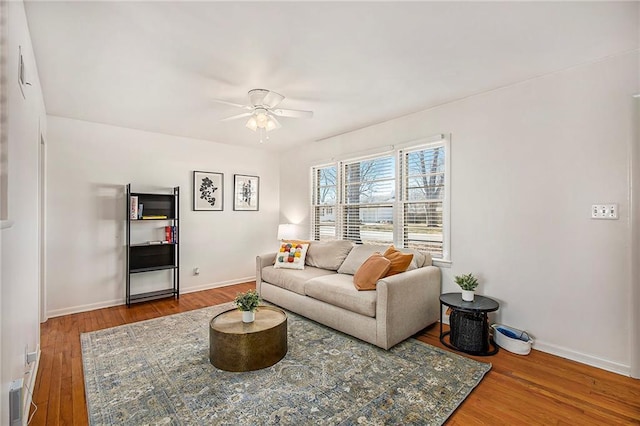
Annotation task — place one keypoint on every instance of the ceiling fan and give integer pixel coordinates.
(262, 111)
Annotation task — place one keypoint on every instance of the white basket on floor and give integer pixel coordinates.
(514, 340)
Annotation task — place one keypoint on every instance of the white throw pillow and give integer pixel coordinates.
(291, 255)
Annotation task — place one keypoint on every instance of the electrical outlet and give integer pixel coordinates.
(196, 271)
(604, 211)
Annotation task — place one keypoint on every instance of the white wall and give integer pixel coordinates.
(527, 162)
(20, 273)
(634, 300)
(88, 166)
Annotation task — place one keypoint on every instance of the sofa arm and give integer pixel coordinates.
(407, 303)
(262, 261)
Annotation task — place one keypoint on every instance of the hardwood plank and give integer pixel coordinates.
(55, 392)
(536, 389)
(78, 400)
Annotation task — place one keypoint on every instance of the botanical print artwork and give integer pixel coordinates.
(246, 192)
(207, 191)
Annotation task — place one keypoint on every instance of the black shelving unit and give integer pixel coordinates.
(146, 256)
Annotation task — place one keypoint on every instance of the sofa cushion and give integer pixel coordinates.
(357, 257)
(399, 261)
(361, 252)
(419, 258)
(374, 268)
(291, 256)
(338, 290)
(328, 254)
(292, 279)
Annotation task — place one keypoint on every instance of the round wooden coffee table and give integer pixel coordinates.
(238, 346)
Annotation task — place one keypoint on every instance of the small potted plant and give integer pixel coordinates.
(468, 284)
(248, 303)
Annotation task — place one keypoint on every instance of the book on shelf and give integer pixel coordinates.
(140, 207)
(155, 243)
(170, 234)
(133, 207)
(154, 216)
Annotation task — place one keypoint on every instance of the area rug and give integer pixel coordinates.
(157, 372)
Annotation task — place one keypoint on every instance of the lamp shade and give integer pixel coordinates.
(286, 231)
(252, 124)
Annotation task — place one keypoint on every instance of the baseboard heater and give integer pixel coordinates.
(15, 402)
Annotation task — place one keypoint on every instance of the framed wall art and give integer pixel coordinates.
(246, 192)
(208, 191)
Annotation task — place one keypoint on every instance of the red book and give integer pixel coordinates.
(167, 234)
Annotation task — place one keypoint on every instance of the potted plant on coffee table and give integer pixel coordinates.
(248, 303)
(468, 284)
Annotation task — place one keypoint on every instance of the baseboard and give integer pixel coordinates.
(116, 302)
(572, 355)
(30, 382)
(84, 308)
(591, 360)
(216, 285)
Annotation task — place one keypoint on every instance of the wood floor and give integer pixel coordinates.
(534, 389)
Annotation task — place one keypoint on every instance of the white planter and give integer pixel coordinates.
(248, 316)
(467, 295)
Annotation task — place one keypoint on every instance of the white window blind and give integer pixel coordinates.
(423, 189)
(325, 197)
(368, 200)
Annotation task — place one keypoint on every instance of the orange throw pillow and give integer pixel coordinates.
(399, 261)
(371, 271)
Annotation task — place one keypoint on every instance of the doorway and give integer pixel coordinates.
(42, 294)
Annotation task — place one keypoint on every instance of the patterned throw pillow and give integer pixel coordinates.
(291, 255)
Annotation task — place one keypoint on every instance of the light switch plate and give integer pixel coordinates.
(604, 211)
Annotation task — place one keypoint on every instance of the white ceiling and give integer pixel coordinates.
(156, 65)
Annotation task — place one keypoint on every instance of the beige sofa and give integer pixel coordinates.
(323, 291)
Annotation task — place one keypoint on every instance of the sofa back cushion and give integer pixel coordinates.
(361, 252)
(328, 254)
(357, 256)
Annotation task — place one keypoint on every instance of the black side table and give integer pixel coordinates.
(468, 324)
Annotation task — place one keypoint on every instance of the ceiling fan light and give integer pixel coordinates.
(252, 123)
(262, 119)
(271, 125)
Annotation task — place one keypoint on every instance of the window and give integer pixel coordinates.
(368, 192)
(325, 196)
(399, 197)
(423, 184)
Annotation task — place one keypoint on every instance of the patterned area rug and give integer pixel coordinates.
(158, 372)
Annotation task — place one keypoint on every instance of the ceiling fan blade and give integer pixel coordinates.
(235, 117)
(220, 101)
(272, 99)
(293, 113)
